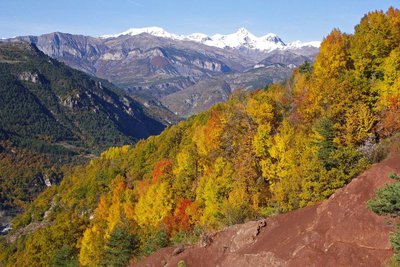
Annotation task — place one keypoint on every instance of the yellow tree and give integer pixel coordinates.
(185, 172)
(91, 248)
(154, 205)
(372, 41)
(213, 189)
(329, 88)
(333, 59)
(260, 108)
(207, 137)
(389, 87)
(359, 122)
(283, 176)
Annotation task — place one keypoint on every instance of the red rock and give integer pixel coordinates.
(178, 250)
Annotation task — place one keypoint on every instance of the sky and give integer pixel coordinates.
(305, 20)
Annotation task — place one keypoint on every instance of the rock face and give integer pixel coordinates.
(337, 232)
(29, 77)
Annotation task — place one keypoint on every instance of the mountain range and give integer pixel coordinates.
(242, 38)
(166, 67)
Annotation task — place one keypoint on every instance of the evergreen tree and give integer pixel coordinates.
(387, 202)
(120, 247)
(305, 67)
(325, 135)
(65, 256)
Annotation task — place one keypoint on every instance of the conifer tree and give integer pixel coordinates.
(387, 202)
(120, 247)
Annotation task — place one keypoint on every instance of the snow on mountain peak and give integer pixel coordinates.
(242, 31)
(198, 37)
(271, 37)
(155, 31)
(240, 39)
(300, 44)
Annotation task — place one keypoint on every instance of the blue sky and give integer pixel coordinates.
(304, 20)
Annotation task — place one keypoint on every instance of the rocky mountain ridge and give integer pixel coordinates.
(153, 63)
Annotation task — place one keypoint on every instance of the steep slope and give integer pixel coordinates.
(198, 97)
(43, 99)
(337, 232)
(285, 58)
(51, 115)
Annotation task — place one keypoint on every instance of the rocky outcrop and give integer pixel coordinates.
(30, 77)
(337, 232)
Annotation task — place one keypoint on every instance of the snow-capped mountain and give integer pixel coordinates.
(300, 44)
(155, 31)
(242, 38)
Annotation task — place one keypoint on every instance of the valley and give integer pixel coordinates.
(52, 117)
(150, 148)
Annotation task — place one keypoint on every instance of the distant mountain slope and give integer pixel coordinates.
(286, 58)
(208, 91)
(154, 63)
(338, 232)
(143, 61)
(198, 97)
(52, 115)
(46, 100)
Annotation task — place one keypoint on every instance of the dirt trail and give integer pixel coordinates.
(337, 232)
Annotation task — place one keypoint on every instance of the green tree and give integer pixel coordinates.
(120, 247)
(324, 136)
(65, 256)
(305, 67)
(387, 202)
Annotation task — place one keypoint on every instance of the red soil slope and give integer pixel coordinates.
(337, 232)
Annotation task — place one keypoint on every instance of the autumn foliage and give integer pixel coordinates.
(260, 153)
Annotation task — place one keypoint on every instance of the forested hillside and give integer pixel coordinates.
(258, 154)
(52, 115)
(47, 101)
